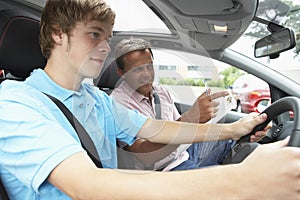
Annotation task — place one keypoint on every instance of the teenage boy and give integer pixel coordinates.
(41, 155)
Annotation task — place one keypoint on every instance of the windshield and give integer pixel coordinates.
(283, 12)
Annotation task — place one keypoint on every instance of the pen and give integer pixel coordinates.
(206, 87)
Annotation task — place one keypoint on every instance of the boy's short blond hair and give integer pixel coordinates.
(62, 15)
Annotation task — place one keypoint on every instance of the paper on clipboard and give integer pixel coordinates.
(226, 104)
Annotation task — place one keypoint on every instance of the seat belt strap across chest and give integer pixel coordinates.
(157, 106)
(86, 141)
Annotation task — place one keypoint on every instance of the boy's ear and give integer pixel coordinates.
(58, 36)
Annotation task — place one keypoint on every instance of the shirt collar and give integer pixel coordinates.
(134, 94)
(40, 80)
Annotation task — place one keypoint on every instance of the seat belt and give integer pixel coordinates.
(157, 106)
(86, 141)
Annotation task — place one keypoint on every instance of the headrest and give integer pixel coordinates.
(20, 52)
(108, 78)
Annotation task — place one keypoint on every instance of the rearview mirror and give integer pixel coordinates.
(272, 45)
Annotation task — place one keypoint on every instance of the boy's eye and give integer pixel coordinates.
(95, 35)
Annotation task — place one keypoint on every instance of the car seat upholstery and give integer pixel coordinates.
(19, 49)
(108, 78)
(19, 46)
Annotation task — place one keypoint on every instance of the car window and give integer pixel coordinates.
(149, 22)
(185, 75)
(249, 82)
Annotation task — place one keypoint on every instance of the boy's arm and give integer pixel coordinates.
(168, 132)
(257, 177)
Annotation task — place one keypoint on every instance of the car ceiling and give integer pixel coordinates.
(197, 22)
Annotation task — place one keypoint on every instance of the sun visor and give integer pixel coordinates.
(225, 17)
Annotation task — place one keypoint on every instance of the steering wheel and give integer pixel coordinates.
(244, 147)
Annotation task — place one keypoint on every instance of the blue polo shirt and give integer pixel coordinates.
(35, 136)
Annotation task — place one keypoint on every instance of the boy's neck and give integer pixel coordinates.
(63, 76)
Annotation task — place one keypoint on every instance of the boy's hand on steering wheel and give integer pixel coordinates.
(259, 135)
(246, 124)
